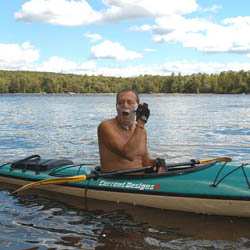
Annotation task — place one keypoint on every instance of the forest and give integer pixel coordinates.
(227, 82)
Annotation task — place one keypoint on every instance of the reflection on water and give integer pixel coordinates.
(31, 222)
(181, 127)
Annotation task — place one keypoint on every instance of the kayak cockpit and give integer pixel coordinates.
(96, 172)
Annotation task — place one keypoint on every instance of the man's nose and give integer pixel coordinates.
(126, 105)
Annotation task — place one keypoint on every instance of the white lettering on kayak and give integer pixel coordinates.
(128, 185)
(112, 184)
(140, 186)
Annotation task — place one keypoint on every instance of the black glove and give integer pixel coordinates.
(159, 163)
(143, 112)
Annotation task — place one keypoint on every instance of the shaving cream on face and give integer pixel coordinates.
(131, 113)
(136, 106)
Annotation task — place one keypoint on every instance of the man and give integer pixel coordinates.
(122, 140)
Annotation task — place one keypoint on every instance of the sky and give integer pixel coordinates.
(125, 38)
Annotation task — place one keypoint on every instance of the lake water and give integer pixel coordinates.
(180, 128)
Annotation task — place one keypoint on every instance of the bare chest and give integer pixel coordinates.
(125, 136)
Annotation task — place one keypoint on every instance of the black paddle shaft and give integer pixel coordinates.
(96, 174)
(191, 163)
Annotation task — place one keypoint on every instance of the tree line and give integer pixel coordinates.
(227, 82)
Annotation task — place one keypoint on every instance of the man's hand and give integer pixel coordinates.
(159, 163)
(143, 112)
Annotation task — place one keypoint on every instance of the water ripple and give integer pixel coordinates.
(181, 127)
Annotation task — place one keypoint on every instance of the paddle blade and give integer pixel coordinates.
(52, 181)
(226, 159)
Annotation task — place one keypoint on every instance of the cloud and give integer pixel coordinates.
(60, 12)
(93, 37)
(201, 34)
(144, 27)
(120, 10)
(14, 56)
(149, 50)
(57, 64)
(213, 8)
(60, 65)
(131, 71)
(183, 67)
(110, 50)
(75, 13)
(171, 26)
(25, 57)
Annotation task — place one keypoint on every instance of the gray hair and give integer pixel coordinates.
(128, 90)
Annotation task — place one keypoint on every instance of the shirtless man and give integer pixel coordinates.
(122, 140)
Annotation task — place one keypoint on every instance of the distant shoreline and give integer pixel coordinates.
(26, 82)
(72, 94)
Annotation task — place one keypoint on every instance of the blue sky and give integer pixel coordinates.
(125, 37)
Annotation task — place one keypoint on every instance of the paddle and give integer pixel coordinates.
(109, 174)
(194, 162)
(80, 178)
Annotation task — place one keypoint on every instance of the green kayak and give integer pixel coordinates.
(215, 186)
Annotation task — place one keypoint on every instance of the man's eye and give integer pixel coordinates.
(131, 103)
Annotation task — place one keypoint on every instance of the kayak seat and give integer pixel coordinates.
(35, 163)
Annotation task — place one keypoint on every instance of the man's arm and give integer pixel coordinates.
(146, 160)
(113, 140)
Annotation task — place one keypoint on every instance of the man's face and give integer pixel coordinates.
(126, 106)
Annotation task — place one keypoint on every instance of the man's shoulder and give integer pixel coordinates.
(105, 123)
(106, 128)
(108, 121)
